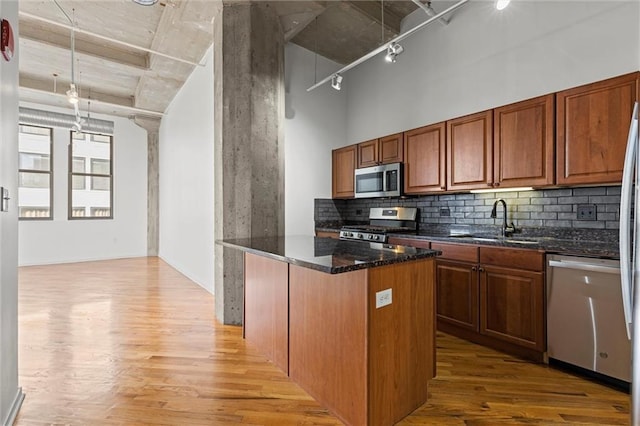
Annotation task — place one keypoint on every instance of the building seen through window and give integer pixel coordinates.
(91, 176)
(35, 172)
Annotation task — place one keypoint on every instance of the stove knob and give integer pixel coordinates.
(377, 237)
(359, 236)
(371, 237)
(347, 234)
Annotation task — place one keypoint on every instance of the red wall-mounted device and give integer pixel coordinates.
(6, 41)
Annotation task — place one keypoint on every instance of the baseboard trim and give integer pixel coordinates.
(15, 408)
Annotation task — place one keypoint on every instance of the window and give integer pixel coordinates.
(91, 176)
(34, 172)
(78, 166)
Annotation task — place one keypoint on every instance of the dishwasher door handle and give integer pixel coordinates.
(584, 267)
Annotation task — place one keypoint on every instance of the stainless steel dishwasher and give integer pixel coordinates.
(585, 319)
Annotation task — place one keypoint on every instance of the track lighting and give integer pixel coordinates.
(501, 4)
(336, 81)
(393, 51)
(72, 94)
(146, 2)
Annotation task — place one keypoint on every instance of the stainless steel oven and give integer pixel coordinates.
(379, 181)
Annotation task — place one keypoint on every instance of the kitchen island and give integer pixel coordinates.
(353, 323)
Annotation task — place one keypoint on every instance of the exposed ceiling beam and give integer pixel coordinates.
(105, 38)
(59, 37)
(45, 85)
(372, 9)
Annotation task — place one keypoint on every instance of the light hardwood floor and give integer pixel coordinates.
(133, 342)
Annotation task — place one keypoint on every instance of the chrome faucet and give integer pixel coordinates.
(506, 229)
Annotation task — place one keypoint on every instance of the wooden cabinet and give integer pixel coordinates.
(592, 127)
(512, 306)
(512, 296)
(470, 151)
(388, 149)
(523, 144)
(328, 234)
(425, 159)
(492, 296)
(457, 293)
(457, 285)
(368, 153)
(343, 170)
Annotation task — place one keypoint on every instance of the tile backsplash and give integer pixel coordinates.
(548, 208)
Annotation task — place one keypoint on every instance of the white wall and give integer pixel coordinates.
(186, 178)
(315, 123)
(486, 58)
(10, 394)
(61, 240)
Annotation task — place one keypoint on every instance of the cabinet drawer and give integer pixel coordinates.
(461, 252)
(411, 242)
(531, 260)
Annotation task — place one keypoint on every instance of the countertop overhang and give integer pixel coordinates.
(326, 254)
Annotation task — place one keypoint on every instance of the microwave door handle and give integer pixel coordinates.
(385, 180)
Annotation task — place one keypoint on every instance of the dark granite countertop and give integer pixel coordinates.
(328, 255)
(568, 242)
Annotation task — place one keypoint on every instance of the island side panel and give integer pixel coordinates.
(327, 339)
(401, 340)
(266, 300)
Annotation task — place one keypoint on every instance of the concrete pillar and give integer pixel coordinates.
(152, 127)
(249, 152)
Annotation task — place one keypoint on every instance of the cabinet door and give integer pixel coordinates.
(470, 151)
(512, 306)
(457, 293)
(592, 127)
(392, 149)
(344, 165)
(523, 143)
(368, 153)
(424, 163)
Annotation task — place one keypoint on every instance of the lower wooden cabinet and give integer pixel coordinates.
(328, 234)
(457, 294)
(512, 306)
(491, 295)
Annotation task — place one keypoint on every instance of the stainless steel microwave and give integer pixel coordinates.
(379, 181)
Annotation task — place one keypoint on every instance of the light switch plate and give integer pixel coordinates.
(383, 298)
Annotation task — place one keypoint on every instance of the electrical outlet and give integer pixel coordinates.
(383, 298)
(586, 212)
(445, 212)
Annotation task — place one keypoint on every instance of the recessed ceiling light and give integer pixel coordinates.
(146, 2)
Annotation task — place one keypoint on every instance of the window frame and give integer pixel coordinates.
(71, 174)
(49, 172)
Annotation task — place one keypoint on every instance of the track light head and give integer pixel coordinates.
(146, 2)
(336, 81)
(393, 51)
(72, 94)
(501, 4)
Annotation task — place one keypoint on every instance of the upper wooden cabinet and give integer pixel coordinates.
(424, 159)
(388, 149)
(470, 151)
(523, 143)
(592, 127)
(343, 171)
